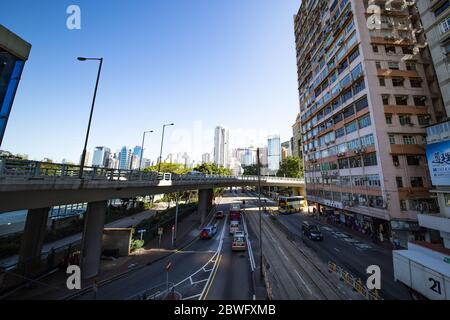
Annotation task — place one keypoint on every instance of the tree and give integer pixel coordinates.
(251, 170)
(169, 167)
(291, 167)
(212, 168)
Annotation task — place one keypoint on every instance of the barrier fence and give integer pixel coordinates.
(355, 283)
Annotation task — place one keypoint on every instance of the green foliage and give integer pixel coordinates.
(136, 244)
(291, 167)
(251, 170)
(176, 168)
(212, 168)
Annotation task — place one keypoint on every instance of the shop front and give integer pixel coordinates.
(405, 231)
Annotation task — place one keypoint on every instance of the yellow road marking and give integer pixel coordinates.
(212, 278)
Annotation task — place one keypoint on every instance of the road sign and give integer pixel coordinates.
(160, 231)
(168, 266)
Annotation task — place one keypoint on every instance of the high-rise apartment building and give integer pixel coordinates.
(124, 158)
(100, 157)
(206, 158)
(14, 51)
(435, 16)
(273, 153)
(297, 148)
(286, 149)
(367, 89)
(221, 147)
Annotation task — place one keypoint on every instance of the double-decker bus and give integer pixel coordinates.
(293, 204)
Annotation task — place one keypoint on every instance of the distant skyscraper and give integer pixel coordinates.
(263, 156)
(137, 151)
(87, 159)
(274, 153)
(206, 158)
(124, 158)
(101, 157)
(221, 147)
(286, 150)
(246, 156)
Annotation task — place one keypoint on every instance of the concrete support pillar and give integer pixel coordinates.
(91, 245)
(33, 237)
(205, 197)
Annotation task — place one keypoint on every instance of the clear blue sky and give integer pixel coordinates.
(197, 63)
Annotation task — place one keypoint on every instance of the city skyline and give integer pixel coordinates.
(158, 85)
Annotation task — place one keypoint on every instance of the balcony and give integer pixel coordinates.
(434, 222)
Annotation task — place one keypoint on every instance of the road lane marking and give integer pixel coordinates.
(282, 252)
(304, 283)
(336, 249)
(211, 278)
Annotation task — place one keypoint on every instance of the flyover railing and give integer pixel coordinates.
(35, 170)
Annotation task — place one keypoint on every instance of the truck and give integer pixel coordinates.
(424, 271)
(235, 212)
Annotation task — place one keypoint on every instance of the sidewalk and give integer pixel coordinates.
(54, 286)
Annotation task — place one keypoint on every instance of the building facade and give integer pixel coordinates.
(367, 90)
(14, 51)
(221, 147)
(286, 149)
(273, 154)
(435, 16)
(100, 157)
(297, 148)
(124, 158)
(206, 158)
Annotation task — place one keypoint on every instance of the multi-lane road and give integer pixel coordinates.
(209, 269)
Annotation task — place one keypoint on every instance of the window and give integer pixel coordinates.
(423, 120)
(396, 161)
(343, 163)
(447, 199)
(409, 140)
(404, 119)
(348, 112)
(382, 82)
(392, 139)
(370, 159)
(357, 71)
(351, 127)
(364, 121)
(353, 144)
(340, 132)
(333, 77)
(398, 82)
(359, 86)
(375, 48)
(407, 50)
(347, 95)
(345, 81)
(403, 205)
(353, 56)
(367, 140)
(415, 83)
(361, 104)
(413, 160)
(399, 181)
(355, 162)
(385, 98)
(420, 100)
(393, 65)
(401, 100)
(388, 118)
(445, 25)
(378, 64)
(438, 11)
(390, 49)
(411, 66)
(416, 182)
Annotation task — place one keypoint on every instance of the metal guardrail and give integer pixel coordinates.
(34, 170)
(355, 283)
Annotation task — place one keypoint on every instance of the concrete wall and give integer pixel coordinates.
(117, 238)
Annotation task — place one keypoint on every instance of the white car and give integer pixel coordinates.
(234, 226)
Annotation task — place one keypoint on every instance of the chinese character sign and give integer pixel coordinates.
(438, 156)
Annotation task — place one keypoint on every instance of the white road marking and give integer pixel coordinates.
(282, 252)
(304, 283)
(336, 249)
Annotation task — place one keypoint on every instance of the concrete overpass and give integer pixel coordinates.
(37, 186)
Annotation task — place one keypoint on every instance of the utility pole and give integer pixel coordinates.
(260, 215)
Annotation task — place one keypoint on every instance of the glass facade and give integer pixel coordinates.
(10, 70)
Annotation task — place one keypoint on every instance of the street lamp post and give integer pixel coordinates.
(260, 215)
(162, 142)
(142, 148)
(83, 155)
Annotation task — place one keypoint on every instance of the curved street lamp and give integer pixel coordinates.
(83, 155)
(142, 148)
(162, 142)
